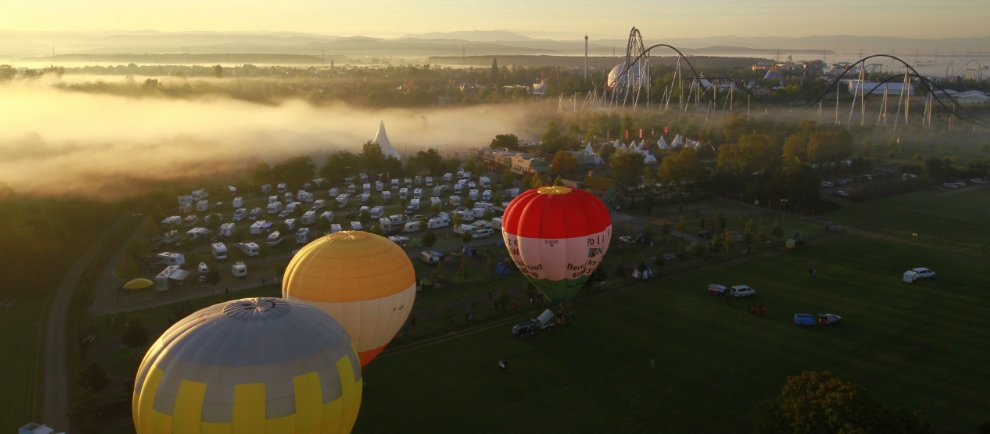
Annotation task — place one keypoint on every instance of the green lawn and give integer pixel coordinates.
(954, 218)
(22, 332)
(923, 347)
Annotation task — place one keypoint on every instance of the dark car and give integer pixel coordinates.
(525, 328)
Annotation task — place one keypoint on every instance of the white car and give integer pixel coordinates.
(741, 291)
(481, 233)
(923, 272)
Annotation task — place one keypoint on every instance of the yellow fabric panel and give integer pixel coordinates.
(142, 417)
(350, 394)
(281, 425)
(188, 411)
(217, 428)
(160, 422)
(309, 399)
(348, 266)
(249, 408)
(331, 417)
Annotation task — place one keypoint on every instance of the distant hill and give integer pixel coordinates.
(26, 45)
(472, 35)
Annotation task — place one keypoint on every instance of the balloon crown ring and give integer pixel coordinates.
(553, 190)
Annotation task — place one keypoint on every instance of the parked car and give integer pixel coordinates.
(828, 319)
(741, 291)
(840, 193)
(543, 322)
(482, 233)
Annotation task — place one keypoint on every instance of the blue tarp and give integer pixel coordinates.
(503, 270)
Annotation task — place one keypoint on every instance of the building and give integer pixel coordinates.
(877, 88)
(517, 162)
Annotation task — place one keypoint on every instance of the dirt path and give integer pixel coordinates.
(55, 370)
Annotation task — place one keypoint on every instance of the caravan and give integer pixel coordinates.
(250, 248)
(227, 230)
(275, 238)
(237, 202)
(238, 269)
(219, 250)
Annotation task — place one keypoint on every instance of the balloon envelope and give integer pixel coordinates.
(364, 281)
(557, 237)
(259, 365)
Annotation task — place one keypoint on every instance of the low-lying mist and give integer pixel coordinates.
(59, 142)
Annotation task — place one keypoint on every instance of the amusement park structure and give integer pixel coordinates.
(628, 84)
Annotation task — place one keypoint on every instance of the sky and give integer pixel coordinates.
(554, 19)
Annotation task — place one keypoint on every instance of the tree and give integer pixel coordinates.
(93, 377)
(372, 157)
(505, 141)
(627, 168)
(682, 166)
(135, 334)
(127, 268)
(429, 160)
(816, 402)
(553, 140)
(564, 164)
(295, 171)
(429, 238)
(218, 71)
(340, 164)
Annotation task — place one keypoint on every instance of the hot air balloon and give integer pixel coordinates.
(256, 365)
(364, 281)
(557, 237)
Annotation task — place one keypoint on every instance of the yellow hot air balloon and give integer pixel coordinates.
(257, 365)
(364, 281)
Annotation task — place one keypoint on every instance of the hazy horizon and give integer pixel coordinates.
(600, 20)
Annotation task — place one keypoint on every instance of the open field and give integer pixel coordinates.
(953, 218)
(922, 347)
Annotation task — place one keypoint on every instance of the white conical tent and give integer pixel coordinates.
(588, 150)
(382, 140)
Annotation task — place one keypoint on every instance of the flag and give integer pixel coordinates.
(641, 133)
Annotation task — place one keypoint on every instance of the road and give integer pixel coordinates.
(55, 369)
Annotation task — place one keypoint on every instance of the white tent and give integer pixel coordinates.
(662, 143)
(382, 139)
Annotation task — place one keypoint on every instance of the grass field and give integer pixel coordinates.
(954, 218)
(923, 347)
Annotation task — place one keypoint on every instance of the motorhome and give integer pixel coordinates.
(428, 181)
(227, 230)
(288, 197)
(308, 217)
(170, 258)
(239, 214)
(363, 197)
(274, 207)
(418, 180)
(485, 182)
(376, 212)
(170, 236)
(418, 193)
(335, 227)
(249, 248)
(397, 219)
(342, 199)
(356, 226)
(254, 213)
(261, 226)
(435, 202)
(275, 238)
(305, 196)
(403, 193)
(413, 226)
(437, 222)
(333, 192)
(363, 177)
(266, 188)
(319, 204)
(447, 177)
(291, 224)
(466, 215)
(200, 194)
(237, 202)
(454, 200)
(171, 221)
(327, 215)
(302, 236)
(190, 220)
(407, 182)
(219, 250)
(385, 224)
(463, 229)
(486, 195)
(366, 187)
(239, 269)
(171, 275)
(473, 194)
(202, 206)
(197, 233)
(379, 186)
(351, 189)
(394, 183)
(386, 196)
(413, 206)
(185, 200)
(281, 187)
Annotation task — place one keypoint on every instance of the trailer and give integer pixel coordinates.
(302, 236)
(249, 248)
(170, 258)
(239, 269)
(171, 276)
